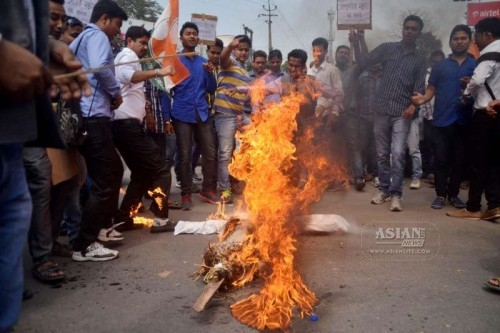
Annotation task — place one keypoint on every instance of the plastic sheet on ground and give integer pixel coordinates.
(203, 227)
(313, 223)
(325, 223)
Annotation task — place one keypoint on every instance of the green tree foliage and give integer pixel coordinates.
(146, 10)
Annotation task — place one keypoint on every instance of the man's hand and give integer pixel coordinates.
(467, 99)
(62, 61)
(464, 81)
(319, 111)
(493, 107)
(168, 127)
(352, 36)
(22, 74)
(408, 113)
(167, 70)
(116, 102)
(235, 42)
(209, 67)
(418, 99)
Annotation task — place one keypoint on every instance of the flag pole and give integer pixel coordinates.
(97, 69)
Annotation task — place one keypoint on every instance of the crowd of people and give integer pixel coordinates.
(380, 107)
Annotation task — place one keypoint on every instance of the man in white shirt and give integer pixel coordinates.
(140, 152)
(484, 151)
(328, 75)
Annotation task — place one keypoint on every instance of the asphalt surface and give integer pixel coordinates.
(148, 288)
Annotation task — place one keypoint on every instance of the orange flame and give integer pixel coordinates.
(283, 140)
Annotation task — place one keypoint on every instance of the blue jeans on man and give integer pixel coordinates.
(414, 149)
(391, 133)
(226, 126)
(15, 214)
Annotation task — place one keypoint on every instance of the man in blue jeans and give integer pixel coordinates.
(232, 109)
(403, 73)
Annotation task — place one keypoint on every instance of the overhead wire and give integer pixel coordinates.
(291, 29)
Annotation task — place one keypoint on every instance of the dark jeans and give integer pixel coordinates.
(449, 162)
(39, 177)
(360, 146)
(484, 152)
(171, 152)
(204, 135)
(105, 169)
(15, 213)
(427, 148)
(62, 195)
(148, 166)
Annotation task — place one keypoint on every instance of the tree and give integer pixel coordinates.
(146, 10)
(428, 41)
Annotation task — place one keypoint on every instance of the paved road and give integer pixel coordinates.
(147, 289)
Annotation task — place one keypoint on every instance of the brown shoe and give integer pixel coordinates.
(464, 214)
(491, 214)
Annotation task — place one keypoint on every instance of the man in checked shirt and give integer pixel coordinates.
(403, 73)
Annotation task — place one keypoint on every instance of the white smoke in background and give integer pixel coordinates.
(309, 19)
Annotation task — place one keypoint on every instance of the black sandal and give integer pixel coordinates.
(48, 272)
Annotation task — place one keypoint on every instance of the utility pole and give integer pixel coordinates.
(269, 10)
(331, 36)
(248, 32)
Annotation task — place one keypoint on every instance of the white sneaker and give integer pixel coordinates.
(396, 204)
(110, 235)
(95, 252)
(376, 182)
(415, 184)
(380, 197)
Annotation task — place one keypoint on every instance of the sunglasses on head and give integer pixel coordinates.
(74, 22)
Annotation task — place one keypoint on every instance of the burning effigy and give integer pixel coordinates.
(285, 161)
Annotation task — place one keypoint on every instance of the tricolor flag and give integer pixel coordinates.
(164, 41)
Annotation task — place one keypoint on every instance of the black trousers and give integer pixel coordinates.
(204, 135)
(484, 152)
(148, 166)
(427, 148)
(105, 170)
(449, 160)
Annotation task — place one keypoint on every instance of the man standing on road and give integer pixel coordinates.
(93, 49)
(231, 108)
(485, 129)
(403, 73)
(450, 116)
(149, 169)
(191, 118)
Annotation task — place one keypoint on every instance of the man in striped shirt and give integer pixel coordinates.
(403, 73)
(231, 107)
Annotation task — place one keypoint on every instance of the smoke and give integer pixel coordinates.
(309, 19)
